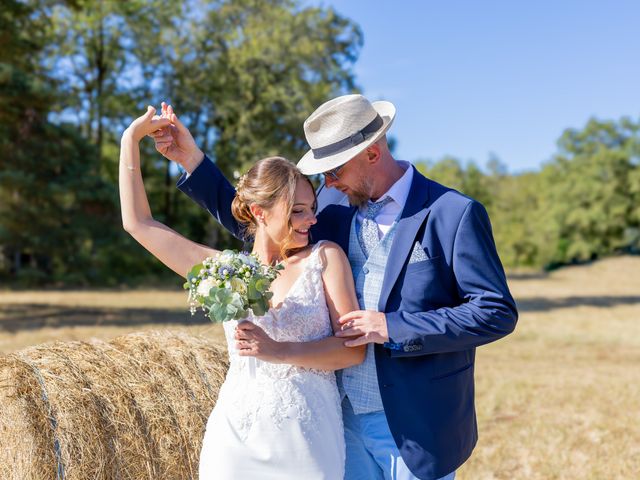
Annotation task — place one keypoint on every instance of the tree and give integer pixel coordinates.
(467, 179)
(248, 74)
(243, 74)
(50, 192)
(104, 56)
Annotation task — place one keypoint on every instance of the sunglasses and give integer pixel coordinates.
(333, 173)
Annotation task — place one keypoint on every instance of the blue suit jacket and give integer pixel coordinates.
(438, 311)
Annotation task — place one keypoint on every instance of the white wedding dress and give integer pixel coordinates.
(282, 421)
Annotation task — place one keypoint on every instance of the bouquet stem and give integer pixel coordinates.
(252, 367)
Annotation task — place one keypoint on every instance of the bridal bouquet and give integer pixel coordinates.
(229, 286)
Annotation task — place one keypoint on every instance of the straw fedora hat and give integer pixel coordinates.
(341, 128)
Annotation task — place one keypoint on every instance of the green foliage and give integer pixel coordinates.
(242, 74)
(582, 205)
(54, 208)
(468, 178)
(224, 305)
(248, 73)
(591, 200)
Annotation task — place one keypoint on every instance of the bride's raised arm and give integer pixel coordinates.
(175, 251)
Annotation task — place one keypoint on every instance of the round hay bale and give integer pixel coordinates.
(132, 408)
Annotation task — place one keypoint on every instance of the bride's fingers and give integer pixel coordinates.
(246, 326)
(247, 353)
(157, 133)
(244, 344)
(151, 111)
(240, 335)
(163, 137)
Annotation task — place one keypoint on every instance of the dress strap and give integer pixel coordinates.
(315, 246)
(314, 256)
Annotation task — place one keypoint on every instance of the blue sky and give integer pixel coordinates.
(475, 78)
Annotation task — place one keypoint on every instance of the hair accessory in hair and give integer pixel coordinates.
(241, 181)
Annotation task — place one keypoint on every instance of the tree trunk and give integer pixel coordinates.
(100, 66)
(167, 193)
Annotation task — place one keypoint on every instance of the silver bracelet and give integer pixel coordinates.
(131, 168)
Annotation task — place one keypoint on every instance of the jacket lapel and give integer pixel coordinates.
(412, 218)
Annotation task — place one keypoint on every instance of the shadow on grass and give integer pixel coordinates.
(541, 304)
(536, 275)
(32, 316)
(16, 317)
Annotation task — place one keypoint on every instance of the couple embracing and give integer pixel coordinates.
(366, 356)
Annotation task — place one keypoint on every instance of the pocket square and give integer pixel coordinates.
(417, 254)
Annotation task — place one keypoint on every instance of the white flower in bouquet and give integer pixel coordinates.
(238, 285)
(206, 285)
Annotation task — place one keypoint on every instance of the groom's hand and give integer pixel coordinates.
(368, 326)
(176, 143)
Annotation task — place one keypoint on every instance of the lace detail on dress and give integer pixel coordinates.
(285, 391)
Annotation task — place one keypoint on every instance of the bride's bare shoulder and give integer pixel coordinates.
(331, 252)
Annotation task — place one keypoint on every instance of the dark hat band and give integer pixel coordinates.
(345, 144)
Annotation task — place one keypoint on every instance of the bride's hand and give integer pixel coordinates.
(145, 124)
(176, 143)
(252, 341)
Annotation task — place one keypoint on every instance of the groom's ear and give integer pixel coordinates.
(373, 153)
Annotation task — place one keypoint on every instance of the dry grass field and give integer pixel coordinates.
(558, 399)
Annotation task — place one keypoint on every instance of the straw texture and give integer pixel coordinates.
(131, 408)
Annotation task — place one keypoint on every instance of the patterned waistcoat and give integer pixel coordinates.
(360, 382)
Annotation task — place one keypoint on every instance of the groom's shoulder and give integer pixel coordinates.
(446, 200)
(332, 223)
(334, 212)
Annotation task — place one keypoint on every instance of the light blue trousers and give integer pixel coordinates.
(372, 453)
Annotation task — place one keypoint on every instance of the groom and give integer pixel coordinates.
(428, 279)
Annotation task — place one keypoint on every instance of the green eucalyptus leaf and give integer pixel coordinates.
(195, 271)
(262, 285)
(220, 313)
(260, 307)
(252, 292)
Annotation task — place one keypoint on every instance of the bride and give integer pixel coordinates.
(284, 419)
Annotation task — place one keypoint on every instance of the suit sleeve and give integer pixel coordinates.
(487, 311)
(209, 188)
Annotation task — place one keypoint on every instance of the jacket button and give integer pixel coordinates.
(365, 270)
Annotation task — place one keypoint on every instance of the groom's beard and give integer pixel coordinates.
(359, 195)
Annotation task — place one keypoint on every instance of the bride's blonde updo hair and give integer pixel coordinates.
(267, 182)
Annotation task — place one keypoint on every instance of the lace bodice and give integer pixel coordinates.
(303, 316)
(285, 391)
